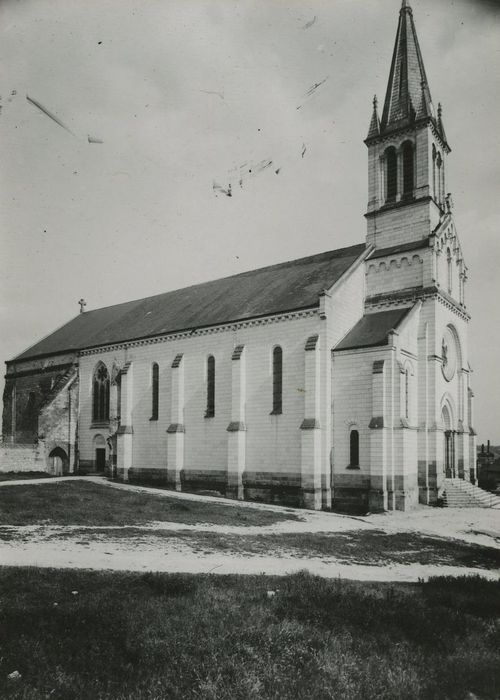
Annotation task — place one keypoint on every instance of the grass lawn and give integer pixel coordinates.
(16, 476)
(159, 636)
(84, 503)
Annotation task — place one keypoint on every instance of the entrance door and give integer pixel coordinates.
(449, 454)
(100, 459)
(57, 465)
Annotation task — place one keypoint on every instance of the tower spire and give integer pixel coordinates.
(406, 97)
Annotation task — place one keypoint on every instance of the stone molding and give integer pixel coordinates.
(310, 424)
(177, 361)
(237, 352)
(236, 426)
(176, 428)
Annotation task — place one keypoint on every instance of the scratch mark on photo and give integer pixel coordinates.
(48, 114)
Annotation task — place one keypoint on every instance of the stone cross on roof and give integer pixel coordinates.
(82, 303)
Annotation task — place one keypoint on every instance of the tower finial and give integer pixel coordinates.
(82, 303)
(374, 129)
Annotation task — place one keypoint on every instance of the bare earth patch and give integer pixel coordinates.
(91, 524)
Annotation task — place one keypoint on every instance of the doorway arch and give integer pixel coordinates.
(58, 462)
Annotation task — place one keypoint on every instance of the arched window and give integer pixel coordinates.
(439, 163)
(210, 412)
(100, 393)
(354, 449)
(449, 270)
(277, 380)
(407, 168)
(391, 166)
(434, 155)
(155, 378)
(407, 393)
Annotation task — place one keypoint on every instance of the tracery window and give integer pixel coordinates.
(277, 380)
(100, 393)
(210, 412)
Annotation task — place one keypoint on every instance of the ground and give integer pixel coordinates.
(95, 524)
(135, 632)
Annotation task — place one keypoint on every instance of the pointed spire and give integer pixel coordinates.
(440, 123)
(406, 99)
(374, 129)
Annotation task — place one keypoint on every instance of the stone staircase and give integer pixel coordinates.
(459, 493)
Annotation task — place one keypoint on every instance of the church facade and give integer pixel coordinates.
(337, 380)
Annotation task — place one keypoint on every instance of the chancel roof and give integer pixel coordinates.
(372, 330)
(269, 290)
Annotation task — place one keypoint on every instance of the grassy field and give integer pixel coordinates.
(84, 503)
(78, 635)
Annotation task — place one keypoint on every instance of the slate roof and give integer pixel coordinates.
(269, 290)
(372, 330)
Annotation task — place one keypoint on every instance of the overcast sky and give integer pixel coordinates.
(182, 93)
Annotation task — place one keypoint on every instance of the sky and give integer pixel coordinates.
(163, 104)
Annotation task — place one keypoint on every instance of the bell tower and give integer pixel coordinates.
(407, 150)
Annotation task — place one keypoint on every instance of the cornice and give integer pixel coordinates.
(414, 294)
(224, 328)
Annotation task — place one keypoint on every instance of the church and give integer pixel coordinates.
(340, 380)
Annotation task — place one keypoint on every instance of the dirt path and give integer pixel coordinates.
(142, 550)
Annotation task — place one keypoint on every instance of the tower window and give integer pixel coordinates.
(407, 394)
(440, 180)
(354, 449)
(277, 380)
(210, 412)
(449, 270)
(155, 385)
(100, 393)
(408, 168)
(391, 164)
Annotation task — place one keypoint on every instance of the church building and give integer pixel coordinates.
(336, 380)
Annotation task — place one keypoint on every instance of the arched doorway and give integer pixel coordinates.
(449, 444)
(58, 462)
(99, 453)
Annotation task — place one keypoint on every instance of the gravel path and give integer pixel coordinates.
(41, 545)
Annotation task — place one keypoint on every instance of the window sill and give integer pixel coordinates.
(153, 418)
(209, 415)
(100, 424)
(276, 413)
(353, 466)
